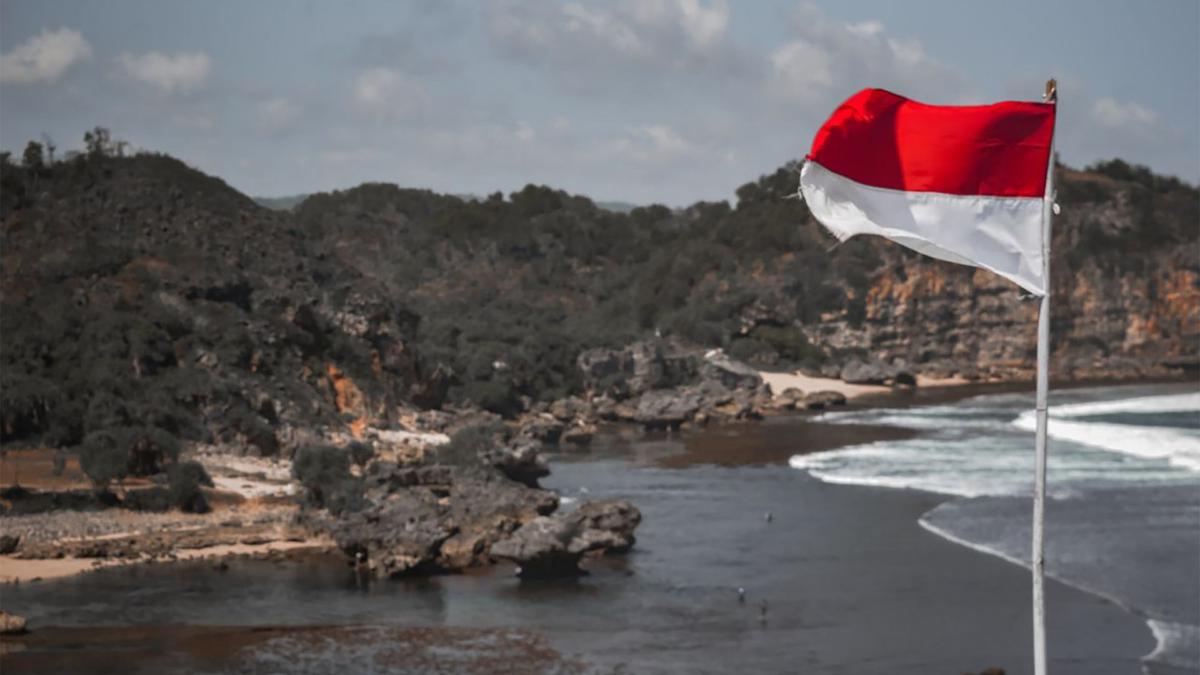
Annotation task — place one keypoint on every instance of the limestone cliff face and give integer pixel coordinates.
(1125, 303)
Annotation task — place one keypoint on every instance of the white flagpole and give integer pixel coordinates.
(1038, 562)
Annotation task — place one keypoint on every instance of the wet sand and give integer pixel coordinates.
(772, 441)
(24, 570)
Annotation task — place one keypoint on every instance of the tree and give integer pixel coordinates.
(104, 457)
(324, 471)
(50, 148)
(32, 157)
(183, 484)
(98, 142)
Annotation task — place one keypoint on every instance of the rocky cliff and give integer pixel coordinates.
(143, 301)
(1125, 303)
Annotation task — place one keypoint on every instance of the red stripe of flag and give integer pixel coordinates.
(887, 141)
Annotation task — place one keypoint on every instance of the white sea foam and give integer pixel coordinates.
(1178, 644)
(1180, 447)
(984, 446)
(1166, 403)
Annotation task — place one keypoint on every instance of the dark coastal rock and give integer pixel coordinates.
(665, 408)
(580, 433)
(730, 373)
(616, 518)
(666, 385)
(636, 369)
(874, 371)
(520, 460)
(819, 400)
(789, 399)
(552, 546)
(866, 372)
(544, 428)
(399, 536)
(9, 543)
(420, 520)
(542, 549)
(568, 409)
(389, 476)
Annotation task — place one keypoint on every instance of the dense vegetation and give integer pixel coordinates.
(145, 303)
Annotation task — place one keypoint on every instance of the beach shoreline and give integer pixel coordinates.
(753, 442)
(852, 578)
(14, 570)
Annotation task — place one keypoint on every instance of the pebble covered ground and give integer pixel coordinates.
(60, 526)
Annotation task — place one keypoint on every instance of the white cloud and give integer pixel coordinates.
(277, 114)
(389, 94)
(827, 58)
(628, 40)
(1114, 114)
(525, 133)
(801, 68)
(170, 73)
(44, 57)
(701, 24)
(655, 143)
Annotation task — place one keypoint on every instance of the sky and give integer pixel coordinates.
(666, 101)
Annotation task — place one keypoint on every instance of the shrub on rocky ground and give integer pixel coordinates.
(324, 472)
(184, 480)
(466, 446)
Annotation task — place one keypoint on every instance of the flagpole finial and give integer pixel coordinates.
(1051, 95)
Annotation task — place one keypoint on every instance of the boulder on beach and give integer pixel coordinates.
(818, 400)
(874, 371)
(866, 372)
(789, 399)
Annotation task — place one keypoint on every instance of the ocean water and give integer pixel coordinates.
(1123, 518)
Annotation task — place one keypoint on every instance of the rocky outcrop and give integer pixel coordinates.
(819, 400)
(662, 408)
(638, 368)
(875, 371)
(520, 460)
(552, 546)
(1125, 296)
(731, 374)
(419, 520)
(615, 520)
(666, 386)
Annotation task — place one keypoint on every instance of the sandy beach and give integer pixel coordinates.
(781, 382)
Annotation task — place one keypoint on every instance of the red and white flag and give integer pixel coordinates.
(959, 183)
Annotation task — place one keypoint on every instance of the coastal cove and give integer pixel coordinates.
(850, 575)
